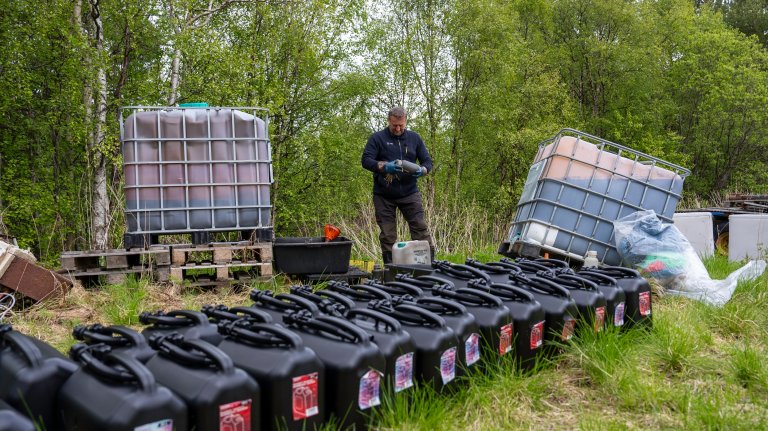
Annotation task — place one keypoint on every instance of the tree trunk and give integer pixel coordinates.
(100, 199)
(174, 76)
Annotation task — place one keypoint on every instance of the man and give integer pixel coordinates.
(394, 188)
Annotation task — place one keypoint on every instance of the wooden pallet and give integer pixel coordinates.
(116, 259)
(115, 276)
(221, 272)
(222, 253)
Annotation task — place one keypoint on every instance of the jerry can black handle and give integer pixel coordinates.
(179, 349)
(508, 264)
(336, 296)
(83, 354)
(464, 272)
(547, 286)
(98, 333)
(251, 332)
(496, 269)
(287, 298)
(376, 316)
(24, 346)
(553, 263)
(330, 306)
(445, 304)
(578, 282)
(142, 376)
(417, 315)
(623, 272)
(335, 326)
(224, 313)
(364, 292)
(512, 292)
(437, 280)
(173, 318)
(531, 265)
(597, 277)
(470, 296)
(283, 301)
(396, 288)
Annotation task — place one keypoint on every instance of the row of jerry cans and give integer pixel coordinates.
(295, 360)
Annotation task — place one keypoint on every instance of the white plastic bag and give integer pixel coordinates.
(659, 251)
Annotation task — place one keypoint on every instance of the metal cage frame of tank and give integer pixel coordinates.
(532, 190)
(142, 215)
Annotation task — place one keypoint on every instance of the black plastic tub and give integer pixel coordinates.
(190, 324)
(291, 377)
(30, 377)
(218, 395)
(12, 420)
(353, 363)
(115, 392)
(311, 255)
(119, 338)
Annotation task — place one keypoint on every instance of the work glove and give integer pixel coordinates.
(391, 168)
(420, 173)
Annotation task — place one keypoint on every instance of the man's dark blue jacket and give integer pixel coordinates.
(384, 146)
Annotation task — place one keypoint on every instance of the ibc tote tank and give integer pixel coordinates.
(195, 169)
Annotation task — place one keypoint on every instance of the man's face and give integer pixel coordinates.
(396, 125)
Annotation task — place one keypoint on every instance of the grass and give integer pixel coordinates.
(698, 367)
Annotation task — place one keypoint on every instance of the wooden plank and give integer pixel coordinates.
(117, 261)
(222, 255)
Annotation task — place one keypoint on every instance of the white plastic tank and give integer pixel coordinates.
(748, 236)
(411, 253)
(697, 228)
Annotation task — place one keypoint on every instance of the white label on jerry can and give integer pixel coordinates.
(618, 315)
(404, 372)
(448, 365)
(370, 386)
(472, 349)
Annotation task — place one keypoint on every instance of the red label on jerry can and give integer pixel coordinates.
(505, 339)
(645, 303)
(305, 392)
(235, 416)
(537, 335)
(599, 318)
(568, 326)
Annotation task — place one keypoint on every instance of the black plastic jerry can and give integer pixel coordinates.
(394, 343)
(615, 297)
(559, 308)
(527, 315)
(218, 395)
(279, 305)
(352, 362)
(590, 301)
(120, 338)
(638, 294)
(12, 420)
(190, 324)
(460, 320)
(360, 294)
(291, 377)
(437, 346)
(115, 392)
(31, 377)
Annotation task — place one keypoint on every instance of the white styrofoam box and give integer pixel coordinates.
(697, 228)
(747, 236)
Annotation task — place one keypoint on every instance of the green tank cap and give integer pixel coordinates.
(193, 105)
(400, 244)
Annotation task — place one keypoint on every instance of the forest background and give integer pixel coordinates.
(484, 82)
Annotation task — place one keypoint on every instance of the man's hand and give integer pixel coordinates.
(420, 173)
(391, 168)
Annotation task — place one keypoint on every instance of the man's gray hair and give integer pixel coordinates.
(397, 112)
